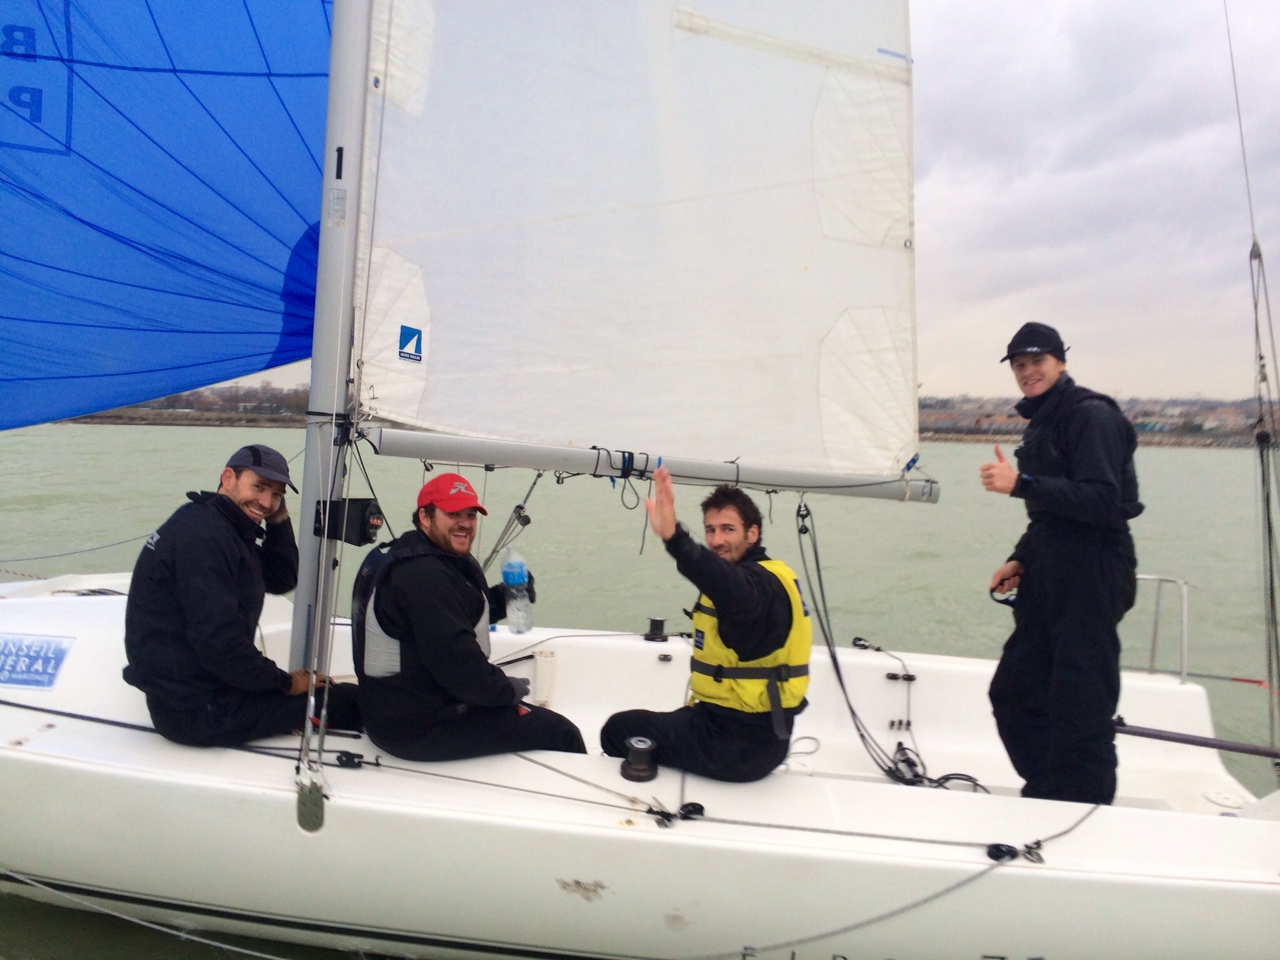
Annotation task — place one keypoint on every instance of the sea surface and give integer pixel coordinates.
(80, 498)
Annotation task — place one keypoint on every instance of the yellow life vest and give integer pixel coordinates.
(767, 685)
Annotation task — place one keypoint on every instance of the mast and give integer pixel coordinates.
(329, 404)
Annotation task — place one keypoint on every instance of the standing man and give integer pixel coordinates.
(751, 639)
(420, 616)
(1055, 691)
(193, 611)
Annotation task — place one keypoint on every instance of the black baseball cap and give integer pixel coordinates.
(263, 461)
(1036, 338)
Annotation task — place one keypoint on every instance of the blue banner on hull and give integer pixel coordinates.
(31, 660)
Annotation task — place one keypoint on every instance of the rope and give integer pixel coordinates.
(904, 765)
(582, 780)
(859, 834)
(1235, 88)
(516, 522)
(522, 654)
(633, 801)
(98, 908)
(382, 765)
(71, 553)
(75, 553)
(364, 471)
(1029, 851)
(1266, 437)
(854, 927)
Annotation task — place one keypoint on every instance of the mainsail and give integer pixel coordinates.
(650, 228)
(160, 193)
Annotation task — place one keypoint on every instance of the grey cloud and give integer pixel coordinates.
(1079, 163)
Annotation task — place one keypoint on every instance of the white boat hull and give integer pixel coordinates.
(544, 855)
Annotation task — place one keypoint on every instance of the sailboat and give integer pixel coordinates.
(584, 239)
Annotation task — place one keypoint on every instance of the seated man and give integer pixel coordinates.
(193, 611)
(420, 617)
(751, 639)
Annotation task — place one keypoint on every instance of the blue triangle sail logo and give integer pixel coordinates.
(411, 344)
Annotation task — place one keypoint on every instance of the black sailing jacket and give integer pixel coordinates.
(430, 601)
(1075, 463)
(194, 604)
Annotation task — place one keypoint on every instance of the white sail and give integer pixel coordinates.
(644, 227)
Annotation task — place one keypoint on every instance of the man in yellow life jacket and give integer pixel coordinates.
(751, 639)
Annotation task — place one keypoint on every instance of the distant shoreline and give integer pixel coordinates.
(1145, 439)
(208, 418)
(145, 417)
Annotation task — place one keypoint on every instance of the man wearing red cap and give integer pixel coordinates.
(1055, 691)
(420, 617)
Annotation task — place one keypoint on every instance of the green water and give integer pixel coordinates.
(910, 577)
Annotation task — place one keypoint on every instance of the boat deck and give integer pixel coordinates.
(1184, 860)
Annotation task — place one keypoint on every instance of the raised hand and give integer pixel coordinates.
(1000, 475)
(661, 507)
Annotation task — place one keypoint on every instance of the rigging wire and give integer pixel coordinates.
(320, 622)
(364, 472)
(644, 522)
(1000, 853)
(1265, 436)
(516, 522)
(73, 553)
(158, 927)
(905, 765)
(286, 753)
(1029, 851)
(82, 550)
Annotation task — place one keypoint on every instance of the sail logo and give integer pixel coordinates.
(35, 78)
(31, 661)
(411, 344)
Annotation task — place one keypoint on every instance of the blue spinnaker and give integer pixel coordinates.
(160, 176)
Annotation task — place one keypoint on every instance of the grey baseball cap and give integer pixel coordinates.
(263, 461)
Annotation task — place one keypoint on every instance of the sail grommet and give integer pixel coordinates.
(639, 766)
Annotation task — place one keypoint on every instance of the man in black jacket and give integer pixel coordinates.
(751, 636)
(193, 610)
(420, 629)
(1055, 691)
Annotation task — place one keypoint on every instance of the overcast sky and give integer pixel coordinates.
(1078, 163)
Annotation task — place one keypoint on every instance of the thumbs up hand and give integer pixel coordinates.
(999, 476)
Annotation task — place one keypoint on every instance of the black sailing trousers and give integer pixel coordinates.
(235, 717)
(702, 740)
(483, 731)
(1056, 688)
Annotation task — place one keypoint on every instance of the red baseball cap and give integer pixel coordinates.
(450, 492)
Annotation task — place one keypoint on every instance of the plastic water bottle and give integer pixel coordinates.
(515, 585)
